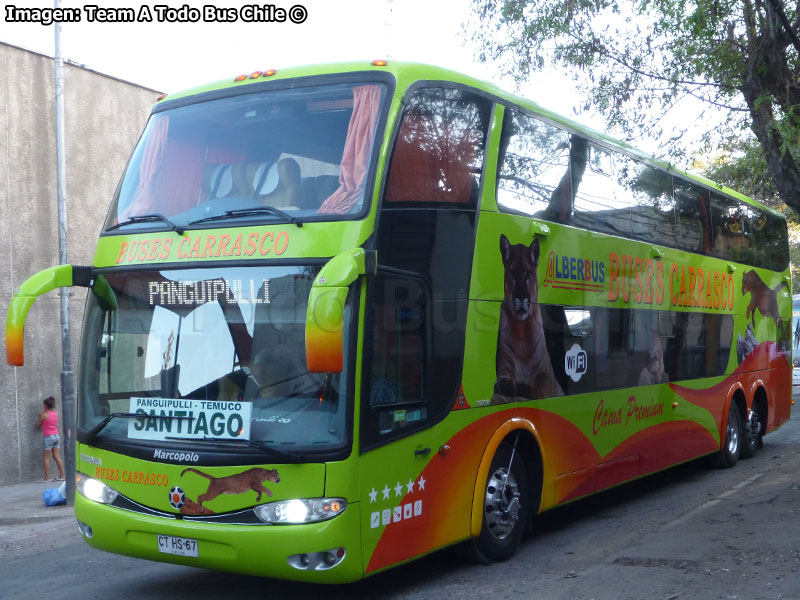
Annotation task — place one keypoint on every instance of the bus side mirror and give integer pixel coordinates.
(325, 313)
(33, 287)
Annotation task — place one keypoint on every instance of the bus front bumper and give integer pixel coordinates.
(282, 551)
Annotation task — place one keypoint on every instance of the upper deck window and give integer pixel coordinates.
(304, 151)
(438, 154)
(548, 173)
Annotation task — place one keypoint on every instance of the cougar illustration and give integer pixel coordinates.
(523, 363)
(236, 484)
(761, 297)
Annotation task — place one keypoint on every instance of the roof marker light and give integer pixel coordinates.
(378, 62)
(241, 78)
(255, 74)
(269, 73)
(161, 97)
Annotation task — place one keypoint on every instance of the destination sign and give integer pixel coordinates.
(190, 419)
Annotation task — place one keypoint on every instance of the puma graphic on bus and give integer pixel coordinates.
(761, 297)
(252, 479)
(523, 362)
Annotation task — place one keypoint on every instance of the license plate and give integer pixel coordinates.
(178, 546)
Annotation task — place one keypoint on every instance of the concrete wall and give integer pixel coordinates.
(103, 119)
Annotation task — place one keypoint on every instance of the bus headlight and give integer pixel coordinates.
(302, 510)
(96, 490)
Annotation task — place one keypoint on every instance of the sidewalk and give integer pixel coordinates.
(22, 504)
(27, 526)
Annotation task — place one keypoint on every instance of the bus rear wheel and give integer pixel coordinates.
(754, 432)
(727, 456)
(505, 505)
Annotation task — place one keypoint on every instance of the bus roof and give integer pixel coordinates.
(406, 73)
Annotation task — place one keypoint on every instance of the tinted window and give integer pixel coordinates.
(626, 348)
(731, 223)
(653, 211)
(178, 338)
(745, 234)
(438, 153)
(534, 164)
(545, 172)
(305, 151)
(691, 215)
(603, 199)
(396, 380)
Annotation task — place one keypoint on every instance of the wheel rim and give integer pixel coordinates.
(755, 423)
(501, 505)
(733, 433)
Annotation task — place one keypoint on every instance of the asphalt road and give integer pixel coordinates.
(688, 533)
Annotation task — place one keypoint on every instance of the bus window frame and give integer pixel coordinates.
(222, 455)
(366, 419)
(677, 178)
(386, 79)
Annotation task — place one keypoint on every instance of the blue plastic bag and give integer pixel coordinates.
(53, 497)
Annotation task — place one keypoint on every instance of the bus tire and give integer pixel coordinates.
(727, 456)
(505, 507)
(754, 432)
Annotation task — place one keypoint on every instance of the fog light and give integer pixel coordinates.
(85, 530)
(317, 561)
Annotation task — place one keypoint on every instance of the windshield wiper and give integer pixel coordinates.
(249, 212)
(285, 454)
(99, 427)
(147, 219)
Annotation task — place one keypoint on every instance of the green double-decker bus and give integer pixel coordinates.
(343, 316)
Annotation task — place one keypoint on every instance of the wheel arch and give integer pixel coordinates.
(529, 444)
(739, 399)
(737, 396)
(761, 397)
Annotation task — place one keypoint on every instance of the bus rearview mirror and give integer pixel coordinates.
(324, 324)
(325, 313)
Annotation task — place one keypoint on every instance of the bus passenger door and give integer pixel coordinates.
(395, 435)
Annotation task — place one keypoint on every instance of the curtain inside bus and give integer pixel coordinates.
(357, 149)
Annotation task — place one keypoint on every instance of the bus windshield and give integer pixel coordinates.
(208, 353)
(303, 151)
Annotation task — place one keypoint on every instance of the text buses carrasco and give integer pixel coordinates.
(343, 316)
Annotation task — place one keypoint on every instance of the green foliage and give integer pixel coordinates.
(637, 62)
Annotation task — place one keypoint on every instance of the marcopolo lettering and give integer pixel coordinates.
(178, 457)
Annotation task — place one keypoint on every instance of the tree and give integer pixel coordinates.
(637, 62)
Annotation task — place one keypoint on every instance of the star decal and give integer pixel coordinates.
(398, 489)
(410, 486)
(373, 496)
(421, 483)
(386, 491)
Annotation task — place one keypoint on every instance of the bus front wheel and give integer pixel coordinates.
(505, 505)
(727, 456)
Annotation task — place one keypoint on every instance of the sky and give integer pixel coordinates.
(169, 56)
(172, 56)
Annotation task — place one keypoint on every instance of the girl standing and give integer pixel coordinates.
(48, 421)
